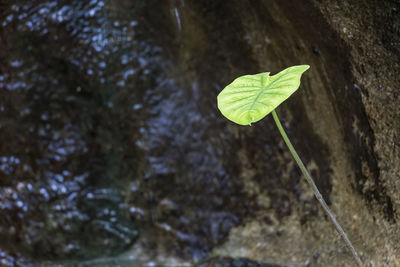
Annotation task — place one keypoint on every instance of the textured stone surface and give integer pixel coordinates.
(351, 103)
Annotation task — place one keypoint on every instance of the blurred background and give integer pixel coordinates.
(113, 152)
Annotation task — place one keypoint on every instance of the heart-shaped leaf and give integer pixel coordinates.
(250, 98)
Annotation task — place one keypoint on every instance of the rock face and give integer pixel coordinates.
(344, 121)
(109, 127)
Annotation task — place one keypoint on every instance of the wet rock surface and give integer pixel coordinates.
(112, 150)
(67, 152)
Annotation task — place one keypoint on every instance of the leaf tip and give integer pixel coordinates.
(305, 67)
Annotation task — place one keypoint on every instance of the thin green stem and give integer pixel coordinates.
(316, 191)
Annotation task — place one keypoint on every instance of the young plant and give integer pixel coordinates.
(250, 98)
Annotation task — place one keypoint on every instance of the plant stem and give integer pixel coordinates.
(315, 189)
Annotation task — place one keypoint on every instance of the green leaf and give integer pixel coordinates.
(250, 98)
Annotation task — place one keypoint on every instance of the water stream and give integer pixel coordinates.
(103, 142)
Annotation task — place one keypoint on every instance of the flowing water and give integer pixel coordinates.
(106, 148)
